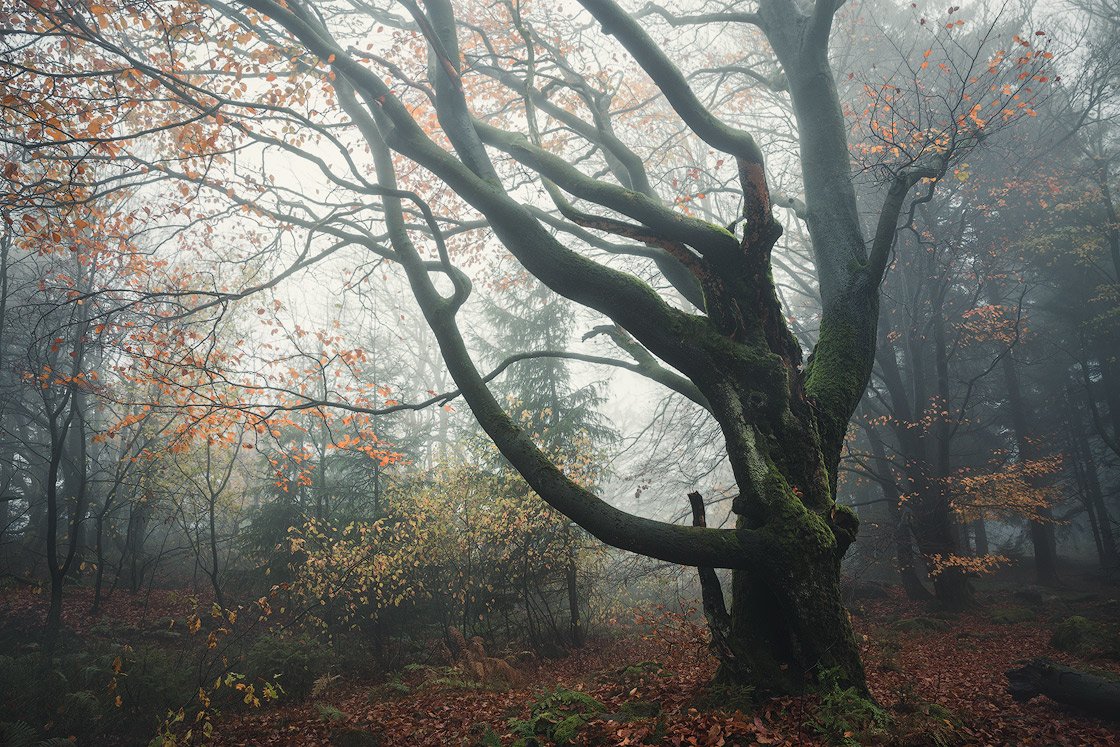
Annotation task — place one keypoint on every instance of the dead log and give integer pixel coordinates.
(1092, 693)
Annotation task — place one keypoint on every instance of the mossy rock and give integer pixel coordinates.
(1011, 615)
(922, 625)
(1084, 637)
(637, 709)
(557, 715)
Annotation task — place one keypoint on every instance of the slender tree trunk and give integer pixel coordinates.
(1089, 482)
(571, 578)
(134, 543)
(980, 530)
(1110, 383)
(952, 585)
(1042, 531)
(214, 562)
(904, 525)
(99, 559)
(7, 485)
(58, 432)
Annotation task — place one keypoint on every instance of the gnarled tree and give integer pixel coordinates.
(504, 105)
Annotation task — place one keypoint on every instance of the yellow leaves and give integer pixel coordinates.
(971, 564)
(1021, 489)
(194, 625)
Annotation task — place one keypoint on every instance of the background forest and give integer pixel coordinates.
(245, 495)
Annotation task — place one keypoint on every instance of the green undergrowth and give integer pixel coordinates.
(557, 716)
(919, 723)
(847, 717)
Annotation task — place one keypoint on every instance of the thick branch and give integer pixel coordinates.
(649, 367)
(672, 82)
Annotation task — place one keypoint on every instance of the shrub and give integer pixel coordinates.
(77, 695)
(294, 663)
(151, 682)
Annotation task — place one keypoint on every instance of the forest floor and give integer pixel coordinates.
(913, 658)
(650, 684)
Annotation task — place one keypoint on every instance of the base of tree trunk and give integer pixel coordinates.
(1093, 693)
(953, 590)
